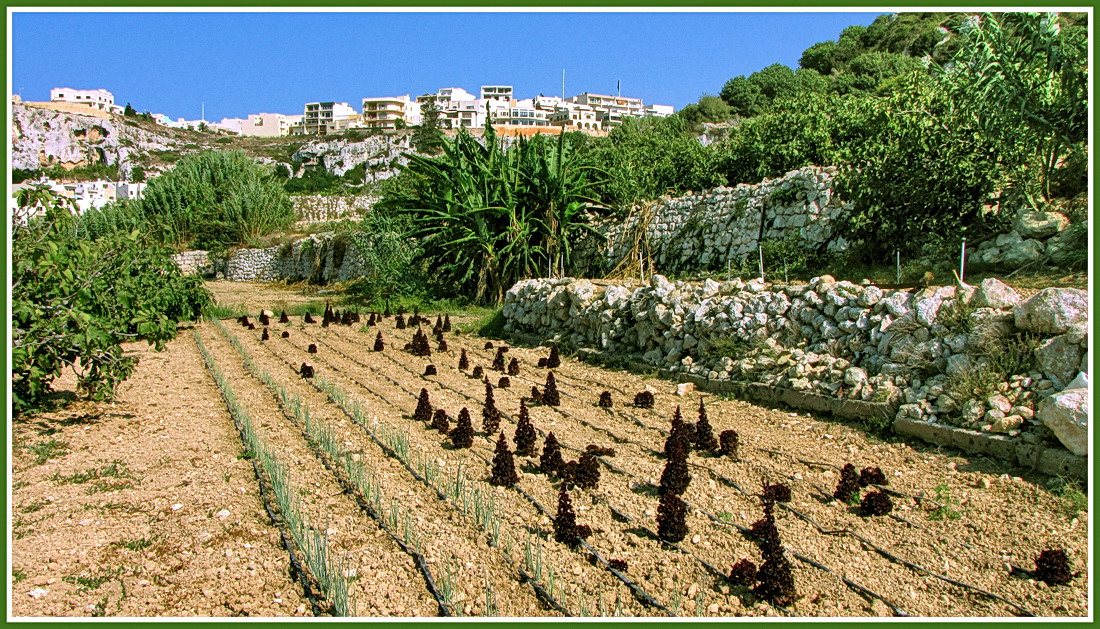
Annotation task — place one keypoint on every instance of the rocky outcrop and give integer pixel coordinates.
(927, 350)
(1066, 413)
(382, 154)
(1035, 237)
(43, 137)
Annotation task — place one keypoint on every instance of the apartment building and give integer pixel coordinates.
(613, 104)
(100, 99)
(659, 111)
(384, 113)
(496, 92)
(572, 117)
(325, 118)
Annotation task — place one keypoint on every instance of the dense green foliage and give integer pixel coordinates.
(76, 300)
(427, 138)
(213, 200)
(487, 217)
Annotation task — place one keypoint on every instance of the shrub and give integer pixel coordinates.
(550, 396)
(551, 461)
(728, 442)
(671, 518)
(643, 399)
(504, 466)
(525, 432)
(605, 400)
(463, 434)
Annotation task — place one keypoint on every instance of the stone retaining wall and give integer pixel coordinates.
(319, 208)
(921, 351)
(319, 259)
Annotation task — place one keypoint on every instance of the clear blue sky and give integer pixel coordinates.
(242, 63)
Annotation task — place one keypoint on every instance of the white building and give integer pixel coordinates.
(96, 99)
(325, 118)
(496, 92)
(383, 113)
(659, 111)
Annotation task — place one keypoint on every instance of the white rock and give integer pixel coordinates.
(1053, 310)
(224, 513)
(994, 293)
(1067, 415)
(684, 388)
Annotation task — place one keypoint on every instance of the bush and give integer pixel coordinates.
(75, 301)
(214, 200)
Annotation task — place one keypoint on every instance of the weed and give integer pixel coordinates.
(137, 544)
(93, 581)
(1069, 490)
(115, 469)
(18, 575)
(731, 346)
(46, 450)
(33, 506)
(947, 511)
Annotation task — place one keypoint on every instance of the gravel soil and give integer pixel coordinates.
(98, 531)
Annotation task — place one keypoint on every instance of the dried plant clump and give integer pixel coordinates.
(478, 372)
(285, 334)
(463, 361)
(777, 493)
(283, 318)
(605, 400)
(743, 573)
(265, 336)
(399, 322)
(423, 407)
(264, 319)
(644, 399)
(566, 530)
(542, 362)
(776, 581)
(372, 321)
(312, 348)
(525, 432)
(488, 345)
(704, 434)
(553, 361)
(419, 345)
(490, 415)
(596, 450)
(504, 382)
(243, 320)
(871, 476)
(251, 326)
(583, 473)
(498, 360)
(675, 478)
(306, 370)
(447, 323)
(875, 503)
(463, 434)
(504, 466)
(672, 518)
(513, 367)
(848, 487)
(551, 461)
(550, 396)
(536, 395)
(1052, 567)
(441, 421)
(729, 441)
(379, 343)
(442, 345)
(430, 370)
(308, 318)
(617, 564)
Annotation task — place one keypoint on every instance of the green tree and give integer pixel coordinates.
(1024, 81)
(427, 138)
(710, 108)
(137, 174)
(129, 111)
(76, 300)
(743, 96)
(212, 200)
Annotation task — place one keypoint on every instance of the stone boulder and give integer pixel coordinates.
(1067, 415)
(1021, 253)
(1053, 310)
(993, 293)
(1039, 224)
(1059, 358)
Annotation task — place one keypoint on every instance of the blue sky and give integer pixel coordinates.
(242, 63)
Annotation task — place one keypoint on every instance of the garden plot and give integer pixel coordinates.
(412, 525)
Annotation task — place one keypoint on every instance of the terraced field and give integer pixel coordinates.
(222, 482)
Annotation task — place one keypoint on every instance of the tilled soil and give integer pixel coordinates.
(958, 524)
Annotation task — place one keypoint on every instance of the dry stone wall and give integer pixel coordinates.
(319, 259)
(923, 350)
(708, 229)
(318, 208)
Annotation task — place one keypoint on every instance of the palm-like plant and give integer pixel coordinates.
(487, 217)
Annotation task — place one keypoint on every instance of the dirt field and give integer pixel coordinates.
(151, 506)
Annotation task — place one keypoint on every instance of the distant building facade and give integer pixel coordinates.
(94, 99)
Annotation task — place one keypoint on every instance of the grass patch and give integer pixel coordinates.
(136, 544)
(33, 506)
(732, 346)
(115, 469)
(18, 575)
(491, 325)
(1076, 501)
(93, 581)
(45, 450)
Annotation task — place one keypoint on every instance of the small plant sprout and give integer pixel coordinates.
(504, 466)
